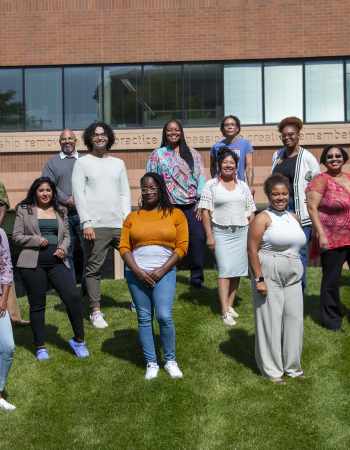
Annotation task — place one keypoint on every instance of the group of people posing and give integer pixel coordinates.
(88, 199)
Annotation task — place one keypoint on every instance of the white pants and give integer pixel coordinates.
(279, 316)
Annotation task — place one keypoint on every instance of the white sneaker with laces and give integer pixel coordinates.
(97, 320)
(6, 406)
(228, 320)
(233, 312)
(151, 371)
(173, 369)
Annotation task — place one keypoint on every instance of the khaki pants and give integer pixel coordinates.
(279, 316)
(95, 253)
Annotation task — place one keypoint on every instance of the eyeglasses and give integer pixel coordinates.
(68, 139)
(149, 190)
(230, 124)
(336, 156)
(291, 134)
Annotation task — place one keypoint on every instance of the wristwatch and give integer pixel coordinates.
(259, 279)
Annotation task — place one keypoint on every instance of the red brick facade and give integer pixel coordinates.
(48, 32)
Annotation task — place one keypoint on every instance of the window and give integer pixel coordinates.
(43, 99)
(122, 96)
(243, 92)
(203, 94)
(199, 94)
(324, 91)
(82, 96)
(162, 94)
(11, 100)
(347, 73)
(283, 91)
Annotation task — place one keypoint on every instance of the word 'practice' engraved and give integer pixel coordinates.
(263, 136)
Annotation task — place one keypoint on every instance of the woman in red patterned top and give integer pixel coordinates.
(328, 200)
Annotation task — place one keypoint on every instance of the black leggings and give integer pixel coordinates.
(332, 264)
(36, 284)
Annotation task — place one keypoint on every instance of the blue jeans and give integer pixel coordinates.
(7, 347)
(304, 251)
(160, 299)
(75, 233)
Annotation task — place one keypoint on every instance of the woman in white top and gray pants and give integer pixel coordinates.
(274, 241)
(227, 206)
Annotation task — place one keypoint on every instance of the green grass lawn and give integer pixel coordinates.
(222, 402)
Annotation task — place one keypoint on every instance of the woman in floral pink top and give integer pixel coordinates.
(182, 171)
(328, 200)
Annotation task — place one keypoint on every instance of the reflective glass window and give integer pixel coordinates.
(162, 94)
(203, 94)
(82, 96)
(43, 99)
(324, 91)
(11, 100)
(243, 92)
(348, 90)
(283, 91)
(123, 99)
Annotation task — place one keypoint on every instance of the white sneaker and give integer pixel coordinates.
(233, 312)
(228, 320)
(173, 369)
(97, 320)
(151, 371)
(6, 406)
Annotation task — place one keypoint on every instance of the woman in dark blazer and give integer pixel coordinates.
(41, 231)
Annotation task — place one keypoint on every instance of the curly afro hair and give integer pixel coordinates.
(292, 121)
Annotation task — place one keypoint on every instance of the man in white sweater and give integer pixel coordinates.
(102, 197)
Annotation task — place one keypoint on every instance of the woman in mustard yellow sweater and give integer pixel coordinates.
(153, 240)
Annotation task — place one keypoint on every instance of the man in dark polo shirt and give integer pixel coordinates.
(59, 169)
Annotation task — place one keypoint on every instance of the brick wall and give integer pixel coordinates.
(47, 32)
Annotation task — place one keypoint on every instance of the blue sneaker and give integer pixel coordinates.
(79, 348)
(42, 354)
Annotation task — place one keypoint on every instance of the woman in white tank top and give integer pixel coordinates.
(274, 241)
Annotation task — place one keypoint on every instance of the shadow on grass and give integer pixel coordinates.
(24, 338)
(344, 279)
(312, 309)
(125, 345)
(240, 347)
(202, 297)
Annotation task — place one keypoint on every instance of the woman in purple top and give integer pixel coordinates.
(7, 345)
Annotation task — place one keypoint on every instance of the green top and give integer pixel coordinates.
(49, 230)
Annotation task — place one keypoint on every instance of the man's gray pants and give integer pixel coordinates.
(95, 253)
